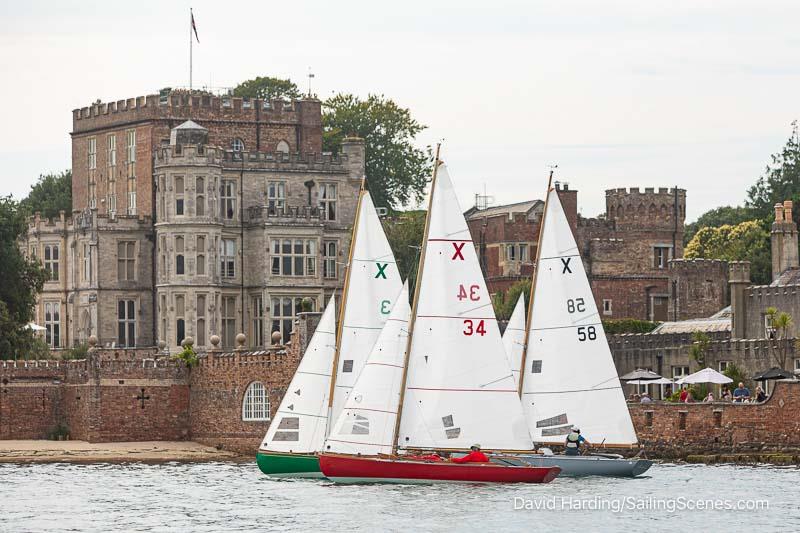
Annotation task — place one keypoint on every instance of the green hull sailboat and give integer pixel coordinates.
(277, 464)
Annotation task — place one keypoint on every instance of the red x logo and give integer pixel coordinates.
(458, 247)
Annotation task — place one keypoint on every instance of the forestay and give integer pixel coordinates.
(514, 337)
(459, 388)
(300, 422)
(570, 377)
(366, 425)
(374, 282)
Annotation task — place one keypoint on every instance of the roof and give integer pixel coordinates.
(719, 321)
(519, 207)
(787, 277)
(190, 125)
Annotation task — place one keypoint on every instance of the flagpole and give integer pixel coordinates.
(191, 18)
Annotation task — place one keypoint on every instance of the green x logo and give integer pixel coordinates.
(381, 270)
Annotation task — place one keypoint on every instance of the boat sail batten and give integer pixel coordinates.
(569, 374)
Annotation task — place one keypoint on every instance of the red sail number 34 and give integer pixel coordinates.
(472, 327)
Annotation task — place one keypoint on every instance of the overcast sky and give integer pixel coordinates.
(690, 93)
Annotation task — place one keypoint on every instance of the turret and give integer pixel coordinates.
(784, 240)
(739, 279)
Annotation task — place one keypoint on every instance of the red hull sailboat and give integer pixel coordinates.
(355, 469)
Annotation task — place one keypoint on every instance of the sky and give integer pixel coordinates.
(696, 94)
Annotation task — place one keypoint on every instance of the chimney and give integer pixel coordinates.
(739, 280)
(784, 240)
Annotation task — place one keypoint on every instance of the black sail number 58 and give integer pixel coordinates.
(586, 332)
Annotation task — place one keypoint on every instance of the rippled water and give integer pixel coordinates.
(237, 497)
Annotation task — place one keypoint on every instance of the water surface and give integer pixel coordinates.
(237, 497)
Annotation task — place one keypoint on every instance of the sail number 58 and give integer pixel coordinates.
(586, 332)
(471, 328)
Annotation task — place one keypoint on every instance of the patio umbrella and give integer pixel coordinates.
(707, 375)
(773, 373)
(640, 375)
(659, 381)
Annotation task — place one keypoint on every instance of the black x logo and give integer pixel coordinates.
(381, 270)
(458, 247)
(565, 262)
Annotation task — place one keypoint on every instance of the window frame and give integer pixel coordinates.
(255, 403)
(328, 202)
(126, 337)
(282, 259)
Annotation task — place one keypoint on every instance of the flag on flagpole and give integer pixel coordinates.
(194, 28)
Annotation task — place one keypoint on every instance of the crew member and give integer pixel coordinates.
(474, 456)
(574, 442)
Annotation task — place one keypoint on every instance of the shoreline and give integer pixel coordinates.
(76, 451)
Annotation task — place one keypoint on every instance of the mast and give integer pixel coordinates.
(348, 270)
(533, 287)
(413, 317)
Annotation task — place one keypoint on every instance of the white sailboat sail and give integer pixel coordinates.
(570, 377)
(366, 425)
(300, 422)
(514, 337)
(459, 387)
(374, 282)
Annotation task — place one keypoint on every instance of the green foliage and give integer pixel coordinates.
(80, 351)
(780, 181)
(699, 347)
(267, 88)
(717, 217)
(405, 230)
(628, 325)
(22, 280)
(504, 302)
(397, 171)
(51, 194)
(737, 375)
(781, 323)
(188, 356)
(747, 241)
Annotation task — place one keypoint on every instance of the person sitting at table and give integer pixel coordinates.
(741, 393)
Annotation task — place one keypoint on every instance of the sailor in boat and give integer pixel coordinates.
(474, 456)
(574, 441)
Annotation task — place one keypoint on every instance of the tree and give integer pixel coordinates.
(51, 194)
(405, 230)
(747, 241)
(699, 347)
(736, 374)
(505, 301)
(397, 171)
(267, 88)
(22, 280)
(780, 323)
(781, 179)
(717, 217)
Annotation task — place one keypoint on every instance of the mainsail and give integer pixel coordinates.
(569, 375)
(514, 337)
(366, 425)
(300, 422)
(373, 282)
(459, 387)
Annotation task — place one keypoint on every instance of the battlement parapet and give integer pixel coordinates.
(649, 341)
(265, 358)
(709, 265)
(648, 191)
(760, 291)
(286, 161)
(739, 271)
(85, 220)
(180, 154)
(179, 105)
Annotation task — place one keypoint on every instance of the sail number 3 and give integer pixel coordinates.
(471, 328)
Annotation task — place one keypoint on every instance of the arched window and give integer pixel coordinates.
(283, 146)
(237, 145)
(255, 406)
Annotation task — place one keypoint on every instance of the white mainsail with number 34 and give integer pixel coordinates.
(569, 377)
(459, 387)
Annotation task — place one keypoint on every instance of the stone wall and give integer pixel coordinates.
(698, 287)
(670, 430)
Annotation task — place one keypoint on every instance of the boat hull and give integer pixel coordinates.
(293, 465)
(354, 469)
(590, 465)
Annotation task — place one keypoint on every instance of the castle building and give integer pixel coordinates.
(220, 216)
(627, 251)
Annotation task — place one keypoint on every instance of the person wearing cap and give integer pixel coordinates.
(474, 456)
(574, 442)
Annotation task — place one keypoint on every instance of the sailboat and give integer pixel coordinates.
(567, 373)
(514, 337)
(371, 284)
(457, 387)
(298, 429)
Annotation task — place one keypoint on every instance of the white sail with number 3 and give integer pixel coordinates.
(569, 376)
